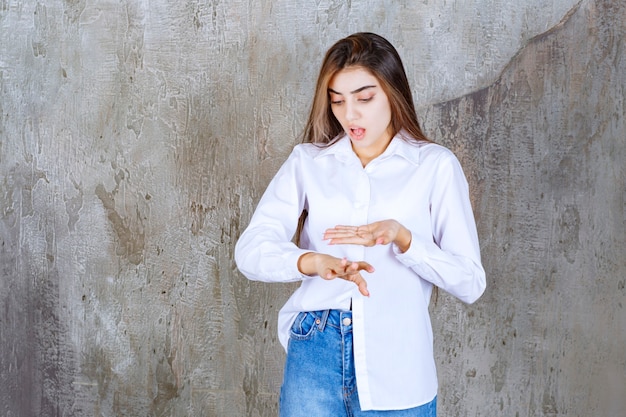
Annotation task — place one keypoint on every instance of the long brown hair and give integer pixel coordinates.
(375, 54)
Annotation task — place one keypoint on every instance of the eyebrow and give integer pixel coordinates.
(358, 90)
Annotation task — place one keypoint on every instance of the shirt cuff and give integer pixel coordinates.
(415, 255)
(291, 266)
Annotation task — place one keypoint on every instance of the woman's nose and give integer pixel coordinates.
(351, 112)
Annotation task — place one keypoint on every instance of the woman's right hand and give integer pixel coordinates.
(329, 267)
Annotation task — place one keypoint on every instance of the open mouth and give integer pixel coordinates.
(357, 133)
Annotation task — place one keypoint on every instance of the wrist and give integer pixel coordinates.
(403, 239)
(306, 263)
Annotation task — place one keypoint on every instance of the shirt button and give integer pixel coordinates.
(347, 321)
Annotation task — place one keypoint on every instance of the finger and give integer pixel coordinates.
(344, 228)
(337, 270)
(363, 288)
(360, 282)
(364, 266)
(341, 229)
(329, 275)
(334, 234)
(347, 269)
(350, 240)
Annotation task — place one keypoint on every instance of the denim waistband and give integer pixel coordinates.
(335, 318)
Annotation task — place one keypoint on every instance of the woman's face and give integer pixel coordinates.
(362, 108)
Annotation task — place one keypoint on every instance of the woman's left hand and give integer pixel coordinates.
(378, 233)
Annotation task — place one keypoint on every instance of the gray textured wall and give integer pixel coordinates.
(136, 138)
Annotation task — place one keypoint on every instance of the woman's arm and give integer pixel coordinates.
(450, 259)
(265, 251)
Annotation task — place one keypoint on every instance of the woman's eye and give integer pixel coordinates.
(365, 100)
(336, 102)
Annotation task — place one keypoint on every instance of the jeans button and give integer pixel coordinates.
(347, 321)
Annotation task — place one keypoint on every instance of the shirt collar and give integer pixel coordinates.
(340, 148)
(407, 149)
(404, 146)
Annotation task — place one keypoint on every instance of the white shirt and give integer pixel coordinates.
(420, 185)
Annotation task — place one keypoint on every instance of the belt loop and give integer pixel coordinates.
(321, 322)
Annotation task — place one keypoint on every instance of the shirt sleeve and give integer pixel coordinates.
(265, 251)
(451, 260)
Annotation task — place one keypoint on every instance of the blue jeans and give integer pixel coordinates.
(319, 378)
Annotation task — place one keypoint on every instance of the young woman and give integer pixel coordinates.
(387, 217)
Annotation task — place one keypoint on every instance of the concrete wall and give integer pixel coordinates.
(136, 138)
